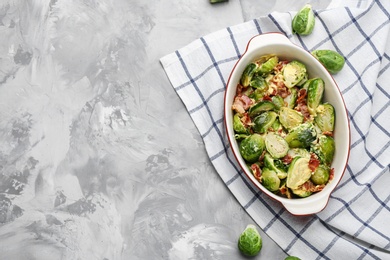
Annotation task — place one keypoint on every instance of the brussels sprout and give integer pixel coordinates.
(252, 147)
(298, 172)
(270, 180)
(303, 81)
(304, 21)
(301, 193)
(292, 258)
(238, 126)
(276, 145)
(325, 149)
(260, 107)
(292, 98)
(240, 137)
(315, 92)
(276, 126)
(278, 101)
(325, 117)
(259, 83)
(301, 136)
(320, 175)
(301, 152)
(275, 166)
(290, 118)
(248, 73)
(331, 60)
(250, 241)
(264, 121)
(293, 73)
(267, 66)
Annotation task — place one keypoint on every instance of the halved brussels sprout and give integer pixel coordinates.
(259, 83)
(248, 73)
(320, 175)
(293, 73)
(238, 126)
(273, 165)
(270, 180)
(315, 92)
(325, 149)
(278, 101)
(260, 107)
(298, 172)
(292, 98)
(276, 145)
(301, 136)
(301, 193)
(267, 66)
(264, 121)
(325, 117)
(252, 147)
(301, 152)
(289, 117)
(303, 81)
(250, 241)
(331, 60)
(276, 126)
(304, 21)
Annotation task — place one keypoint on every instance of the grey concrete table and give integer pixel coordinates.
(98, 156)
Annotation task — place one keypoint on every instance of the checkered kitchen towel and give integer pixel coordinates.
(356, 222)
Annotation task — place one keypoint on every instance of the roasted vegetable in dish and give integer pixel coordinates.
(283, 127)
(250, 241)
(304, 21)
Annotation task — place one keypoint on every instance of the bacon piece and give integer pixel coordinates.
(246, 120)
(313, 163)
(241, 103)
(256, 171)
(302, 96)
(239, 89)
(283, 91)
(331, 174)
(309, 186)
(328, 133)
(267, 97)
(287, 159)
(302, 105)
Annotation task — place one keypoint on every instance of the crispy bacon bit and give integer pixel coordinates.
(256, 171)
(309, 186)
(331, 174)
(313, 162)
(287, 159)
(246, 120)
(262, 155)
(280, 65)
(239, 89)
(283, 91)
(328, 133)
(241, 103)
(302, 96)
(283, 190)
(301, 104)
(267, 97)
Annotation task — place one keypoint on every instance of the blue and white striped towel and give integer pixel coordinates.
(356, 222)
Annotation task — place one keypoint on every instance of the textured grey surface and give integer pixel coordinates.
(98, 157)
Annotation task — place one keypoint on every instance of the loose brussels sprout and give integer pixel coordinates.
(315, 92)
(238, 126)
(248, 73)
(264, 121)
(273, 165)
(278, 101)
(325, 117)
(298, 172)
(320, 175)
(304, 21)
(250, 241)
(292, 98)
(301, 193)
(293, 73)
(267, 66)
(301, 136)
(276, 145)
(252, 147)
(325, 149)
(292, 258)
(331, 60)
(301, 152)
(260, 107)
(289, 117)
(270, 180)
